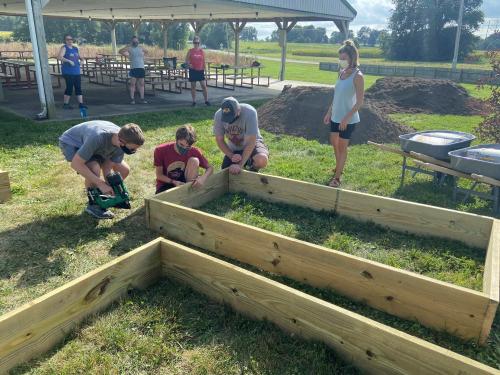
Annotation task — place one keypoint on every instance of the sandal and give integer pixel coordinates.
(335, 182)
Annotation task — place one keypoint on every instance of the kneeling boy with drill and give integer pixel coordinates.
(98, 145)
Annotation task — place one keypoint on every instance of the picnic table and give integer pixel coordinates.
(18, 73)
(442, 171)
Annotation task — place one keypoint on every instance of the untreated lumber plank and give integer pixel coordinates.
(37, 326)
(408, 295)
(186, 195)
(369, 345)
(396, 214)
(491, 280)
(5, 193)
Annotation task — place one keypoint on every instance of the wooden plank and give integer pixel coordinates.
(485, 179)
(396, 214)
(371, 346)
(186, 195)
(433, 303)
(429, 159)
(385, 147)
(491, 280)
(5, 193)
(439, 168)
(37, 326)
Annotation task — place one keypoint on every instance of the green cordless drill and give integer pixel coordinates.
(121, 199)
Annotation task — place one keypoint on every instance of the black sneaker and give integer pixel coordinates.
(207, 103)
(67, 106)
(97, 212)
(193, 104)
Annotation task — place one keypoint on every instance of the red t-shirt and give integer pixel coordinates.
(197, 58)
(173, 163)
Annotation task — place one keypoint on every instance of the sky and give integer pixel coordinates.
(376, 13)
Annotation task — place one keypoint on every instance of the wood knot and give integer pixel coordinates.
(389, 298)
(370, 354)
(276, 246)
(234, 290)
(275, 262)
(98, 290)
(294, 321)
(198, 224)
(366, 274)
(264, 180)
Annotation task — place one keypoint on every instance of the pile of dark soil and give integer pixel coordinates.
(417, 95)
(299, 111)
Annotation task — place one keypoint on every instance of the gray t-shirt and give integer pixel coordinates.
(93, 138)
(136, 57)
(246, 124)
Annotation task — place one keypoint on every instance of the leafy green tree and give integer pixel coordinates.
(249, 33)
(425, 29)
(215, 34)
(364, 35)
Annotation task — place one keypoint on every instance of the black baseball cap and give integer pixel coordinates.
(229, 107)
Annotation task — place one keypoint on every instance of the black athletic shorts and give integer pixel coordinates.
(167, 186)
(137, 73)
(260, 148)
(196, 75)
(344, 134)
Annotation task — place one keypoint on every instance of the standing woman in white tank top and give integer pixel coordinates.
(342, 116)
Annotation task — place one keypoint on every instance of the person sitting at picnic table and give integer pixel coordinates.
(245, 146)
(70, 58)
(136, 54)
(195, 61)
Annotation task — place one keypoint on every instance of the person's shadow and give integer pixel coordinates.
(41, 249)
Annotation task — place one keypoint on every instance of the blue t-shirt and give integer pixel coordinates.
(72, 55)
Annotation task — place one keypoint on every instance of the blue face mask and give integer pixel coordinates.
(182, 150)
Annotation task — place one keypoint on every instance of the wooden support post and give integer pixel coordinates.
(40, 55)
(164, 28)
(237, 29)
(343, 27)
(197, 26)
(5, 193)
(369, 345)
(111, 26)
(136, 26)
(284, 28)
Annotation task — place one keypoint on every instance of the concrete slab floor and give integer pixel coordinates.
(114, 100)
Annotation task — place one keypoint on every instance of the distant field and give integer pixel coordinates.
(316, 52)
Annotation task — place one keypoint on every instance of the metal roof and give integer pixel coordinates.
(191, 10)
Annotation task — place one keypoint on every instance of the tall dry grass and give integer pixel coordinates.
(155, 52)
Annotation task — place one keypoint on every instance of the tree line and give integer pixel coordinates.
(417, 30)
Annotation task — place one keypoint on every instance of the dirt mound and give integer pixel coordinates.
(299, 111)
(414, 95)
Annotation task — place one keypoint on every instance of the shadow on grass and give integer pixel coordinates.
(41, 249)
(427, 192)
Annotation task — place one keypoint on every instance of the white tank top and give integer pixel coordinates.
(344, 99)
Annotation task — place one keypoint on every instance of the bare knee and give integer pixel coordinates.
(193, 162)
(260, 161)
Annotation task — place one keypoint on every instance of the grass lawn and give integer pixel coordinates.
(328, 52)
(46, 240)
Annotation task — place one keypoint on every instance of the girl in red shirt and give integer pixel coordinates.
(195, 60)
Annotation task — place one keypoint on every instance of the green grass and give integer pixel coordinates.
(448, 261)
(329, 52)
(46, 240)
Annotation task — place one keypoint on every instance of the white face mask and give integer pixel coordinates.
(343, 64)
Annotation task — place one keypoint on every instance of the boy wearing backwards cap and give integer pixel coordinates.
(244, 148)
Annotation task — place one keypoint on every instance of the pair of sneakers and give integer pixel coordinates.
(141, 101)
(98, 212)
(207, 103)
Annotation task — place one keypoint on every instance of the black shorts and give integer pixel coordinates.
(167, 186)
(260, 148)
(137, 73)
(196, 75)
(73, 81)
(344, 134)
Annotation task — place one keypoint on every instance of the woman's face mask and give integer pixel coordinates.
(343, 64)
